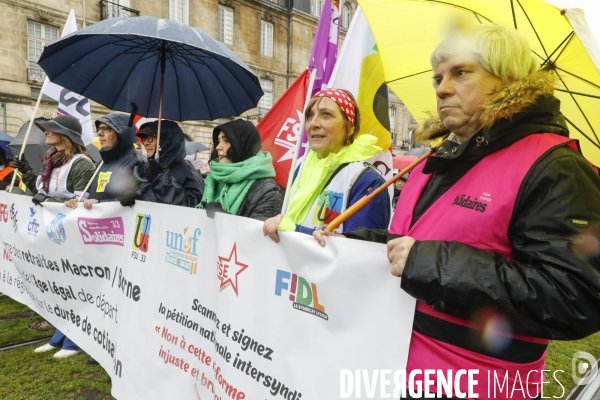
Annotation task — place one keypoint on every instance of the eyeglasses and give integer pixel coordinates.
(104, 129)
(148, 138)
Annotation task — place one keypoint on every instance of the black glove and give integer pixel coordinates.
(39, 198)
(128, 199)
(153, 170)
(22, 164)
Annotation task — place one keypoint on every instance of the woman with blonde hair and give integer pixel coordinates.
(66, 166)
(335, 174)
(66, 170)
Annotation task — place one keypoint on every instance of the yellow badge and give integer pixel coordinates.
(103, 179)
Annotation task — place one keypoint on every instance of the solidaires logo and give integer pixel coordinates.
(141, 232)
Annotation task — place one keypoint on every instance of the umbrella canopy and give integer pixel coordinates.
(118, 63)
(407, 32)
(194, 147)
(5, 138)
(36, 145)
(401, 162)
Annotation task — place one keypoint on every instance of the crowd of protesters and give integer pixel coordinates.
(495, 219)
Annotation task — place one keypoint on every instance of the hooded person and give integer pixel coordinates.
(241, 178)
(116, 176)
(171, 180)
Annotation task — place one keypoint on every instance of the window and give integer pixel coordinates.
(346, 16)
(413, 121)
(266, 102)
(318, 7)
(226, 25)
(179, 11)
(266, 38)
(114, 9)
(38, 35)
(392, 120)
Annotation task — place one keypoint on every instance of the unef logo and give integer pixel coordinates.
(33, 226)
(14, 216)
(141, 236)
(228, 270)
(56, 230)
(182, 249)
(3, 212)
(303, 294)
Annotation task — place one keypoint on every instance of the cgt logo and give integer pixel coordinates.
(182, 249)
(141, 235)
(3, 212)
(302, 293)
(225, 267)
(14, 213)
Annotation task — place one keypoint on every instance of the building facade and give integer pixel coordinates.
(274, 38)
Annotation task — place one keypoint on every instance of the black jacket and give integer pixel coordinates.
(116, 177)
(545, 290)
(178, 183)
(263, 200)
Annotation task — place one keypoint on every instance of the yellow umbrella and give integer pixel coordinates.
(407, 31)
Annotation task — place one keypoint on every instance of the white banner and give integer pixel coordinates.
(71, 103)
(175, 305)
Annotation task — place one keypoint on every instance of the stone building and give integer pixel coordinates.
(273, 37)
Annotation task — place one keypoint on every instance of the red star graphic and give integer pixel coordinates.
(224, 273)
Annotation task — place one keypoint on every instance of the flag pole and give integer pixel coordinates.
(289, 195)
(90, 182)
(37, 105)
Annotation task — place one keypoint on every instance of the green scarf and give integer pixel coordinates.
(228, 183)
(316, 172)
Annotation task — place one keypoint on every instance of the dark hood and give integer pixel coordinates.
(243, 136)
(520, 109)
(125, 135)
(172, 142)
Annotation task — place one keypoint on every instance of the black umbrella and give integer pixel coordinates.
(155, 67)
(194, 147)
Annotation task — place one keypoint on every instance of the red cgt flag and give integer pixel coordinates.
(281, 126)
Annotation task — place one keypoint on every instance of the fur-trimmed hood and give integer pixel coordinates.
(504, 104)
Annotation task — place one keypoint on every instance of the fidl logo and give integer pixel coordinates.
(303, 294)
(141, 236)
(56, 230)
(182, 249)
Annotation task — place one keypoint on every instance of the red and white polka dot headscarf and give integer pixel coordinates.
(341, 98)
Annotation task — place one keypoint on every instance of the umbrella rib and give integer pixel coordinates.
(128, 75)
(532, 27)
(578, 77)
(409, 76)
(580, 131)
(580, 110)
(100, 70)
(171, 59)
(561, 47)
(512, 7)
(577, 93)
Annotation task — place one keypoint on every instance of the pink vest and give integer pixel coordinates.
(477, 211)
